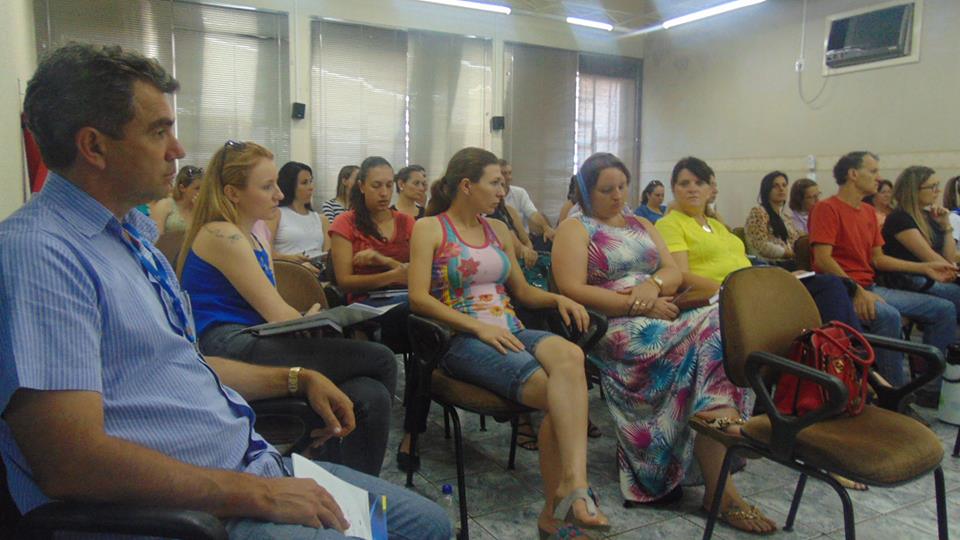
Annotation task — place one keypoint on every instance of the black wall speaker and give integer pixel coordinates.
(497, 123)
(299, 111)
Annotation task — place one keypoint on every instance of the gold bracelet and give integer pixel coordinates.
(293, 380)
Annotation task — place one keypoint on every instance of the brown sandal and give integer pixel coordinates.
(717, 428)
(737, 516)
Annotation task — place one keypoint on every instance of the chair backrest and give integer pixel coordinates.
(740, 233)
(761, 309)
(298, 286)
(169, 244)
(801, 252)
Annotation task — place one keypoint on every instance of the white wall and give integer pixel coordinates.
(725, 90)
(16, 65)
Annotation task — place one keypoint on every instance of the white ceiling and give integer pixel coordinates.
(626, 14)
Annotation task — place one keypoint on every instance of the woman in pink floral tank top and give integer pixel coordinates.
(461, 269)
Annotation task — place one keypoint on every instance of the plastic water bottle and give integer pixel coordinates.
(449, 506)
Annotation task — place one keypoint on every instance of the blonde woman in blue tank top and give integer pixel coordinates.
(461, 269)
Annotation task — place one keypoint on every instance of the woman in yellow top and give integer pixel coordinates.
(701, 245)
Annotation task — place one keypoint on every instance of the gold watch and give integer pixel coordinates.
(293, 380)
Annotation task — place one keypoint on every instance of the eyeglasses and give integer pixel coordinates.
(231, 144)
(193, 172)
(933, 187)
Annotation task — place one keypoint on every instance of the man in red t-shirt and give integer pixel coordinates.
(847, 242)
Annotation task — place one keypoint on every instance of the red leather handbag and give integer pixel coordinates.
(836, 349)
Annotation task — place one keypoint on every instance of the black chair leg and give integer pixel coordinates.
(514, 427)
(956, 445)
(849, 527)
(413, 452)
(446, 424)
(603, 396)
(483, 422)
(718, 493)
(941, 504)
(407, 374)
(461, 475)
(795, 504)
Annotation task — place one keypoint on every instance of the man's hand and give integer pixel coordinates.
(941, 271)
(865, 304)
(331, 404)
(530, 256)
(300, 501)
(549, 233)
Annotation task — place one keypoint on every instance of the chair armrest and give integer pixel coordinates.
(335, 296)
(429, 340)
(123, 519)
(300, 408)
(586, 339)
(934, 364)
(785, 428)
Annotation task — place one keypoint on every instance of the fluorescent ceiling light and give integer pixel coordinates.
(472, 5)
(590, 24)
(703, 14)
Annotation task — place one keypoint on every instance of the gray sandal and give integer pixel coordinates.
(564, 509)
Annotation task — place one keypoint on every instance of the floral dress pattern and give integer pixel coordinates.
(656, 373)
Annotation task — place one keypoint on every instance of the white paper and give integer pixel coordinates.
(353, 501)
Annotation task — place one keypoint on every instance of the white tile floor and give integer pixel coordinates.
(504, 504)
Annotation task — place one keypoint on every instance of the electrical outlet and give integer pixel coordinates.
(798, 65)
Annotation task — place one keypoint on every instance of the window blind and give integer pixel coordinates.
(607, 108)
(232, 64)
(540, 108)
(450, 97)
(359, 98)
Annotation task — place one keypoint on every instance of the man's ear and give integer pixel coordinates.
(91, 147)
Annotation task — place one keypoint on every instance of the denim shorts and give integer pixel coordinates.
(475, 362)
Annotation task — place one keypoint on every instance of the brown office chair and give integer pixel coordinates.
(879, 447)
(430, 340)
(298, 286)
(801, 253)
(740, 233)
(169, 243)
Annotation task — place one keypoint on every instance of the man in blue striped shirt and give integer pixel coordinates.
(104, 395)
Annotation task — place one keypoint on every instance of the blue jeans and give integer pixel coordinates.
(475, 362)
(947, 291)
(409, 516)
(938, 317)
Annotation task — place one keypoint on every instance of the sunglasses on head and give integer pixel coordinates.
(231, 144)
(193, 172)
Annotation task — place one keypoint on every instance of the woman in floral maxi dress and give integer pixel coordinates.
(659, 366)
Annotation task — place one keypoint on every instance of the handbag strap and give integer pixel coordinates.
(846, 348)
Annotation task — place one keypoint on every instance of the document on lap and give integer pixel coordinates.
(353, 501)
(336, 318)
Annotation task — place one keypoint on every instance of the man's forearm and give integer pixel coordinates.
(118, 471)
(251, 381)
(539, 223)
(828, 265)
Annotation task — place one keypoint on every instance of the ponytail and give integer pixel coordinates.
(467, 163)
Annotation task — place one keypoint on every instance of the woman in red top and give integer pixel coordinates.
(370, 245)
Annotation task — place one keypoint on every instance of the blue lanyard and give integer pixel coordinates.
(162, 280)
(163, 283)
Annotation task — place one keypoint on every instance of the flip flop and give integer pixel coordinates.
(564, 532)
(564, 510)
(848, 483)
(736, 516)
